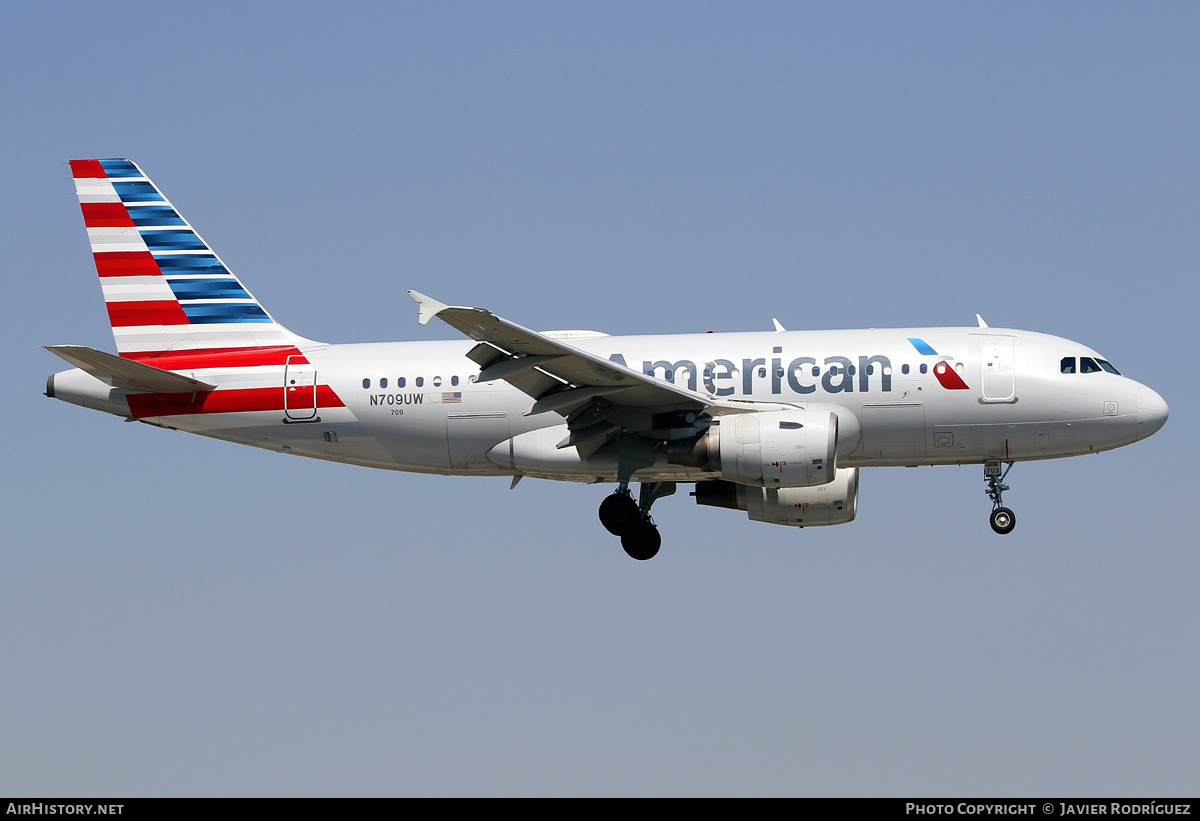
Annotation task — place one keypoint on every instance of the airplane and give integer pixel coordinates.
(774, 423)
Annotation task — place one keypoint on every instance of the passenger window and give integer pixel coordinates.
(904, 369)
(924, 368)
(850, 370)
(816, 371)
(366, 383)
(383, 382)
(437, 381)
(870, 370)
(400, 382)
(1067, 365)
(454, 381)
(1088, 365)
(420, 381)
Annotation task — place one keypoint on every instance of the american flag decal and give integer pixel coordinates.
(452, 397)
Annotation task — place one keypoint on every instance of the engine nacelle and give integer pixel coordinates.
(833, 504)
(774, 449)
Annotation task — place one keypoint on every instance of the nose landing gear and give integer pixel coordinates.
(630, 520)
(1002, 519)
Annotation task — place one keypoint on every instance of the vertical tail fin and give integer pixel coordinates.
(170, 299)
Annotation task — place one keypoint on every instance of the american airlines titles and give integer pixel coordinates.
(724, 377)
(803, 375)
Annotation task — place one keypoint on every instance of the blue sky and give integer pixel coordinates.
(186, 617)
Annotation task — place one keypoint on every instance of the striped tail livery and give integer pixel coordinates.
(175, 307)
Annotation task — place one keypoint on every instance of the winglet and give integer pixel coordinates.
(778, 328)
(982, 324)
(429, 307)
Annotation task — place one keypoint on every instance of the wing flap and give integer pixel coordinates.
(567, 400)
(484, 354)
(514, 365)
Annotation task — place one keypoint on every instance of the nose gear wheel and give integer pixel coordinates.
(1003, 520)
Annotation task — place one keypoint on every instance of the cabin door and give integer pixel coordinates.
(300, 389)
(997, 368)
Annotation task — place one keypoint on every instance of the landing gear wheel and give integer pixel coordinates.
(618, 513)
(1003, 520)
(641, 541)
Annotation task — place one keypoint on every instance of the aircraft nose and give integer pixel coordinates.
(1152, 412)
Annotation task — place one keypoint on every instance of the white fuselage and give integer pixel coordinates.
(924, 396)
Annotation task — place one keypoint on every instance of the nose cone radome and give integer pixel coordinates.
(1152, 412)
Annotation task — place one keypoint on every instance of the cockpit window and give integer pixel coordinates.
(1068, 364)
(1108, 367)
(1088, 365)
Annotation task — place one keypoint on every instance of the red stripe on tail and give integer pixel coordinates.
(87, 168)
(126, 264)
(105, 215)
(146, 312)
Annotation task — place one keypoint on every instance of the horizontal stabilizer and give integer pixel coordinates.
(116, 372)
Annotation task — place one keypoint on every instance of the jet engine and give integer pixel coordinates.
(774, 449)
(835, 503)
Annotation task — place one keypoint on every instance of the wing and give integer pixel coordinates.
(598, 397)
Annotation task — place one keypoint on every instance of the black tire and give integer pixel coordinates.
(618, 513)
(642, 541)
(1003, 520)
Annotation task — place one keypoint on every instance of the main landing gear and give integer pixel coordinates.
(621, 516)
(1002, 519)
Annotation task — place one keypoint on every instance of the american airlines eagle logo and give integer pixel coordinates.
(945, 373)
